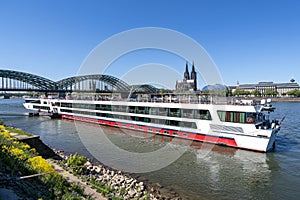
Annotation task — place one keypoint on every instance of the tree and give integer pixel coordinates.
(295, 93)
(256, 93)
(241, 93)
(270, 92)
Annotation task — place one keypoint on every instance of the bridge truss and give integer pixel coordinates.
(20, 81)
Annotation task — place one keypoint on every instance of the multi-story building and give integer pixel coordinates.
(262, 87)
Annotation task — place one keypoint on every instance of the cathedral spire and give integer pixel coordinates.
(194, 77)
(193, 73)
(186, 73)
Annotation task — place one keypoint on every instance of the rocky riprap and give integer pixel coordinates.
(122, 185)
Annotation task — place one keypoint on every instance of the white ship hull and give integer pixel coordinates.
(199, 122)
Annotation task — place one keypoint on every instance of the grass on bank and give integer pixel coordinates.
(17, 130)
(14, 130)
(19, 159)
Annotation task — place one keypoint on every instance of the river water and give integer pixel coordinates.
(202, 172)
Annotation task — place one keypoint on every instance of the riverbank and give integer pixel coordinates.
(286, 99)
(274, 99)
(93, 179)
(24, 174)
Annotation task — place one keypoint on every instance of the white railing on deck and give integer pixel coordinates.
(174, 99)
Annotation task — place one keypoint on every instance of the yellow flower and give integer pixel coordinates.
(32, 150)
(39, 164)
(5, 134)
(25, 146)
(18, 153)
(4, 148)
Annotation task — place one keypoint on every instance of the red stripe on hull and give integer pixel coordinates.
(167, 132)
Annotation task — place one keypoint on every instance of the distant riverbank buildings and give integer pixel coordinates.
(262, 87)
(189, 83)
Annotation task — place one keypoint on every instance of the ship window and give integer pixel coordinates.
(188, 124)
(166, 132)
(140, 110)
(162, 111)
(110, 115)
(121, 108)
(41, 107)
(236, 117)
(68, 105)
(222, 115)
(66, 110)
(149, 129)
(118, 108)
(32, 101)
(250, 117)
(153, 111)
(122, 117)
(187, 113)
(131, 109)
(175, 133)
(174, 123)
(98, 107)
(202, 114)
(161, 121)
(157, 131)
(175, 112)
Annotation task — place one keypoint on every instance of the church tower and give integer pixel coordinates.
(186, 75)
(194, 77)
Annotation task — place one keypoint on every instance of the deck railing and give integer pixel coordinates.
(192, 99)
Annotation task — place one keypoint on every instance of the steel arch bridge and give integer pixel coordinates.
(93, 82)
(20, 81)
(144, 88)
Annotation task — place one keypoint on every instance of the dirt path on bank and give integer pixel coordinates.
(74, 179)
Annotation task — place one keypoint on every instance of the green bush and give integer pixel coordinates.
(76, 163)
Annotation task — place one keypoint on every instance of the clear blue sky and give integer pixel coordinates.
(249, 40)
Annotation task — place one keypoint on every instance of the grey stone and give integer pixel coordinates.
(8, 194)
(131, 193)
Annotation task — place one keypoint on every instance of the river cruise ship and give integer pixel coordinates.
(233, 123)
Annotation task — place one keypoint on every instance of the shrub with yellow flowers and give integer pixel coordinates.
(19, 158)
(39, 164)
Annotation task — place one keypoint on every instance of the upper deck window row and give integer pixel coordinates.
(170, 112)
